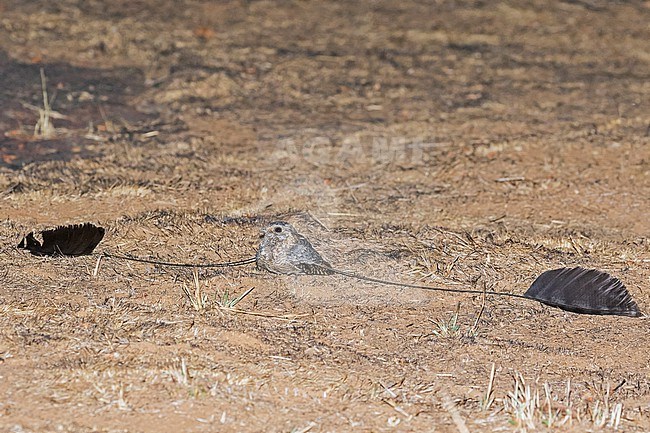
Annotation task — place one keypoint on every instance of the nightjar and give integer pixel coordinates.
(285, 251)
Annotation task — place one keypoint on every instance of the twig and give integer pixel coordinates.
(511, 179)
(287, 318)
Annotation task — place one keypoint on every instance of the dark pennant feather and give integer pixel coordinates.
(73, 240)
(586, 291)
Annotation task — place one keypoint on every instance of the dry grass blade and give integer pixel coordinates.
(398, 409)
(44, 127)
(474, 330)
(487, 401)
(227, 302)
(305, 429)
(456, 417)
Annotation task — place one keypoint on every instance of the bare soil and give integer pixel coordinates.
(460, 144)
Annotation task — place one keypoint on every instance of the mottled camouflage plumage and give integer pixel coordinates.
(285, 251)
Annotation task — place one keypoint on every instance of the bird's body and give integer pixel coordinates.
(285, 251)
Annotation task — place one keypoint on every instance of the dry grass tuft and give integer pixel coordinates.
(197, 299)
(531, 406)
(450, 328)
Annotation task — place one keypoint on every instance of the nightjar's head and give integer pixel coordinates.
(278, 232)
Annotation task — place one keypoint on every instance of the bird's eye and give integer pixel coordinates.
(278, 229)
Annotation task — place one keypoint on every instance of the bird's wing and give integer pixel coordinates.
(308, 260)
(315, 269)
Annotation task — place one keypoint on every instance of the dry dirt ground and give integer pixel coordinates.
(452, 143)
